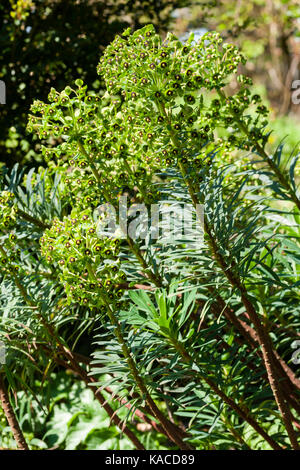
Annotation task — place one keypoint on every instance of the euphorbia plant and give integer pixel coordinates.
(163, 130)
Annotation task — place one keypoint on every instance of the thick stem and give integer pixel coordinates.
(155, 278)
(267, 353)
(11, 417)
(289, 380)
(32, 220)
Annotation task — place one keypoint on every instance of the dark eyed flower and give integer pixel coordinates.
(198, 162)
(190, 99)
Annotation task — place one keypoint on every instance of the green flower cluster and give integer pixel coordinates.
(166, 87)
(8, 211)
(9, 252)
(93, 140)
(167, 69)
(163, 106)
(89, 266)
(10, 255)
(69, 115)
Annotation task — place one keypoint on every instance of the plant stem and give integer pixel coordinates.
(234, 432)
(90, 160)
(32, 220)
(154, 277)
(11, 417)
